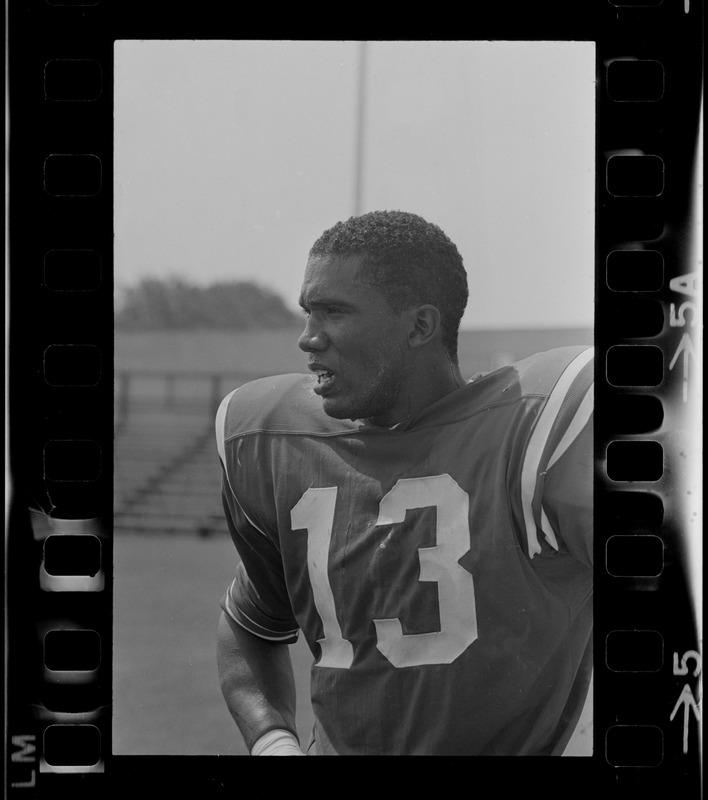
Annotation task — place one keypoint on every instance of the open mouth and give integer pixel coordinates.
(325, 380)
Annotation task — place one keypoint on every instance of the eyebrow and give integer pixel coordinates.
(322, 302)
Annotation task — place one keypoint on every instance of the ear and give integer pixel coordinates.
(425, 325)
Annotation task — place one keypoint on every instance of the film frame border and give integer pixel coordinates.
(646, 203)
(650, 486)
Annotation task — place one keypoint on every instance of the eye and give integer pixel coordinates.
(323, 311)
(334, 311)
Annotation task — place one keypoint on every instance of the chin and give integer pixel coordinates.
(337, 410)
(350, 411)
(378, 401)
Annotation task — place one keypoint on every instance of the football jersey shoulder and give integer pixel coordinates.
(539, 373)
(562, 435)
(280, 404)
(564, 373)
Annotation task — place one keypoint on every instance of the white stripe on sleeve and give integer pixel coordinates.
(539, 438)
(582, 415)
(220, 426)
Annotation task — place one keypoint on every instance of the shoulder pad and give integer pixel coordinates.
(539, 373)
(280, 404)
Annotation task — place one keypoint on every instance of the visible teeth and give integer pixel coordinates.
(323, 374)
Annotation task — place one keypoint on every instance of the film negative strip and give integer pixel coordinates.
(648, 582)
(649, 223)
(58, 541)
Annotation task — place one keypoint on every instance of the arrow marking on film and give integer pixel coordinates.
(685, 347)
(686, 700)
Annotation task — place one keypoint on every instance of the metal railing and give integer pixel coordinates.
(164, 438)
(186, 391)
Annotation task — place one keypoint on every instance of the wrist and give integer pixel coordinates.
(278, 742)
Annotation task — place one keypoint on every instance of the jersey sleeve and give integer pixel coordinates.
(568, 497)
(257, 598)
(558, 470)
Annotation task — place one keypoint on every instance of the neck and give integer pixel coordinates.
(428, 385)
(439, 380)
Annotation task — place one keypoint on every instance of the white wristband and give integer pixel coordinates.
(277, 743)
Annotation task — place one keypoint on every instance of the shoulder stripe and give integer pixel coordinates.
(537, 444)
(220, 425)
(581, 418)
(245, 622)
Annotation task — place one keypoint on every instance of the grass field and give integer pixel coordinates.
(166, 696)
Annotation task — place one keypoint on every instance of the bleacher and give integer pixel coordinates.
(167, 477)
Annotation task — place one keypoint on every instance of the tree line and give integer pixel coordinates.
(173, 304)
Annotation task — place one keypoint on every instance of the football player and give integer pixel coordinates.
(430, 537)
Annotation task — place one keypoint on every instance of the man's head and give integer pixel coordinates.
(409, 260)
(384, 294)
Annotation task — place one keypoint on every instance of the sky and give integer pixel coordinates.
(232, 157)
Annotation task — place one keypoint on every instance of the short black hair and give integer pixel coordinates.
(410, 260)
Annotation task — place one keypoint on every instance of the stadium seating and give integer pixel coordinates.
(167, 477)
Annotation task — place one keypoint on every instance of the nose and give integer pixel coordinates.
(312, 339)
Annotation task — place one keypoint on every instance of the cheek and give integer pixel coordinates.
(385, 358)
(370, 348)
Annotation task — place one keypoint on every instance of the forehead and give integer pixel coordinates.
(336, 277)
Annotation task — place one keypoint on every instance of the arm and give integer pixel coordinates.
(253, 660)
(256, 680)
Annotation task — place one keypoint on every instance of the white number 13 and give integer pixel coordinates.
(458, 619)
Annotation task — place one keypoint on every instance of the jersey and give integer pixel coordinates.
(440, 571)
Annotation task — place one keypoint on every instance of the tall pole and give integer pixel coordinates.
(360, 131)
